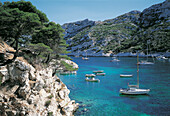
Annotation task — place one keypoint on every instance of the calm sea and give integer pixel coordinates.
(103, 98)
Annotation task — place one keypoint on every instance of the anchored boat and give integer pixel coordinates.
(92, 79)
(123, 75)
(146, 61)
(90, 75)
(100, 74)
(134, 89)
(98, 71)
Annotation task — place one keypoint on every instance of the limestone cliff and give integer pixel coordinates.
(126, 33)
(25, 90)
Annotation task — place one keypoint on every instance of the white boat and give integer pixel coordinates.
(145, 62)
(127, 75)
(92, 79)
(85, 58)
(134, 89)
(98, 71)
(90, 75)
(100, 74)
(77, 53)
(115, 60)
(161, 58)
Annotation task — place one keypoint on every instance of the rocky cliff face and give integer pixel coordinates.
(94, 40)
(71, 29)
(25, 90)
(126, 33)
(155, 14)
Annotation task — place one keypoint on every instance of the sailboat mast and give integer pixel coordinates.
(147, 50)
(137, 70)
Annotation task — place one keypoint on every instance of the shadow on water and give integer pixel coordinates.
(134, 96)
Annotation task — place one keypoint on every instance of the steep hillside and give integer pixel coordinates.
(126, 33)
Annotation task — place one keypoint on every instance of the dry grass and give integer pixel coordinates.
(6, 48)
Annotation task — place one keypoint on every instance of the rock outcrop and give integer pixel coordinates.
(155, 14)
(71, 29)
(25, 90)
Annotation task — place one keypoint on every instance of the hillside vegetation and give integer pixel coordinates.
(129, 32)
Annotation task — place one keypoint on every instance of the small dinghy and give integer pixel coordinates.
(101, 74)
(127, 75)
(115, 60)
(98, 71)
(90, 75)
(92, 79)
(85, 58)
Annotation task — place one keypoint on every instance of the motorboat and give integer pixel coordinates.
(144, 62)
(100, 74)
(85, 58)
(92, 79)
(115, 60)
(161, 58)
(90, 75)
(126, 75)
(98, 71)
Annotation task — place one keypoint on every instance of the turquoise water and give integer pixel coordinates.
(103, 99)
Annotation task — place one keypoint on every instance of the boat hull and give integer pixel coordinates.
(134, 91)
(101, 74)
(125, 75)
(98, 71)
(143, 63)
(90, 80)
(90, 75)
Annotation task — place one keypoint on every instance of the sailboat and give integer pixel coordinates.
(77, 53)
(134, 89)
(85, 58)
(115, 60)
(145, 61)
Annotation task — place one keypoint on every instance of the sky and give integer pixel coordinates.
(66, 11)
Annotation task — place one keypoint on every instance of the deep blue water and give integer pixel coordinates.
(103, 99)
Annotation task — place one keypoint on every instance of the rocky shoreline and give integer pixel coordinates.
(25, 90)
(126, 54)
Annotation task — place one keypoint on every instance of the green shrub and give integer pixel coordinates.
(50, 96)
(47, 103)
(50, 114)
(65, 57)
(68, 67)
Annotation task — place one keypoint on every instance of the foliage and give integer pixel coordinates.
(50, 114)
(65, 57)
(17, 23)
(39, 53)
(51, 35)
(68, 67)
(50, 96)
(47, 103)
(28, 29)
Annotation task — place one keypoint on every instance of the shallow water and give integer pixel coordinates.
(103, 99)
